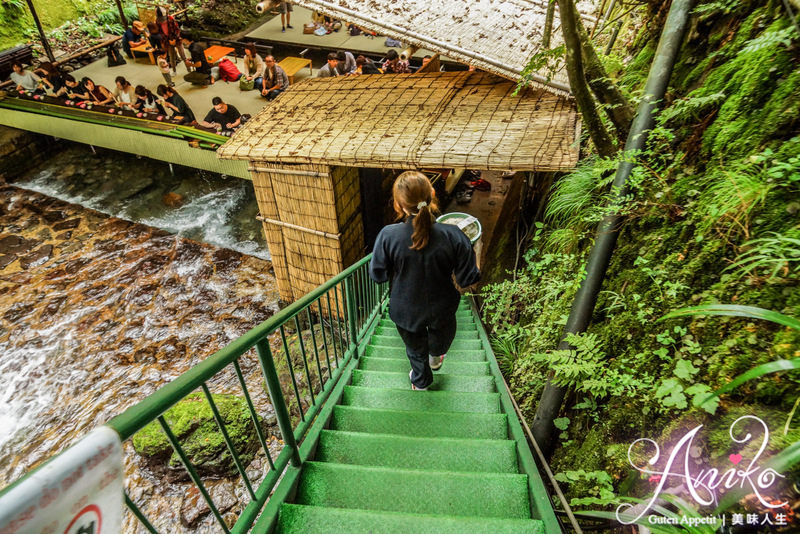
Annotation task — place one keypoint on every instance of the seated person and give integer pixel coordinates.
(97, 93)
(73, 89)
(52, 79)
(173, 101)
(274, 81)
(146, 101)
(124, 93)
(331, 68)
(365, 66)
(25, 80)
(347, 62)
(204, 73)
(133, 37)
(395, 65)
(222, 116)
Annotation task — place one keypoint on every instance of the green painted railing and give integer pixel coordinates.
(343, 310)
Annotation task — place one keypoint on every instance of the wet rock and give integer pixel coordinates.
(172, 200)
(37, 257)
(54, 216)
(44, 234)
(192, 422)
(67, 225)
(52, 308)
(194, 507)
(226, 260)
(17, 311)
(14, 244)
(6, 259)
(133, 187)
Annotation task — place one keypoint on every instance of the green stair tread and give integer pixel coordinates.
(431, 401)
(468, 326)
(437, 454)
(405, 490)
(452, 354)
(300, 519)
(441, 381)
(398, 365)
(396, 341)
(422, 424)
(392, 332)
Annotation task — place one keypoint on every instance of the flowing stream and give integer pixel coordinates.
(97, 312)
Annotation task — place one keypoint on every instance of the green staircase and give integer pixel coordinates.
(365, 453)
(393, 460)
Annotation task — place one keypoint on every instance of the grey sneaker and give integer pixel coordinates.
(415, 388)
(436, 361)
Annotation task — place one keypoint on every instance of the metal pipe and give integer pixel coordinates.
(607, 231)
(42, 36)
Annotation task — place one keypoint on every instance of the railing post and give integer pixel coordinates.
(351, 312)
(278, 403)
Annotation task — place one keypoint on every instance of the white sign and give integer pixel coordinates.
(77, 492)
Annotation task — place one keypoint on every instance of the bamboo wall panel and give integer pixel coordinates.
(327, 201)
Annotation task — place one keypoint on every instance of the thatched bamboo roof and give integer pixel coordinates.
(459, 119)
(498, 36)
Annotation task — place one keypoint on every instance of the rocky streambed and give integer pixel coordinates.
(97, 312)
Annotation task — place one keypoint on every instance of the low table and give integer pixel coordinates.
(144, 48)
(216, 52)
(293, 65)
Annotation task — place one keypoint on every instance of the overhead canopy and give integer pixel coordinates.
(459, 119)
(497, 36)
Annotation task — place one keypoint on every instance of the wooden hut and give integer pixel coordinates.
(305, 148)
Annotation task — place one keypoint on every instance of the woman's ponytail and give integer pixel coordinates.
(413, 195)
(422, 227)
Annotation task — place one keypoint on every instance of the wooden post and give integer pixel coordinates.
(42, 36)
(122, 16)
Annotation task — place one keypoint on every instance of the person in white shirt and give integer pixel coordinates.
(25, 80)
(347, 62)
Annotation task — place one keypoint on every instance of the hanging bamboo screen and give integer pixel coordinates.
(312, 221)
(457, 119)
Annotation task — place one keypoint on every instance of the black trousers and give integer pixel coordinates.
(433, 341)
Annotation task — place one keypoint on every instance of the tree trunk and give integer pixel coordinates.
(619, 110)
(577, 81)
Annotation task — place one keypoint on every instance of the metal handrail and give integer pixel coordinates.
(348, 321)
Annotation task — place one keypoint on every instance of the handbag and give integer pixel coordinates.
(246, 85)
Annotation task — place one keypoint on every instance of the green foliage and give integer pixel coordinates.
(597, 484)
(769, 256)
(544, 63)
(688, 110)
(587, 369)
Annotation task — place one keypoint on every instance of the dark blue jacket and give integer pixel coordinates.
(422, 290)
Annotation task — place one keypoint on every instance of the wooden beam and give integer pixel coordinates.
(122, 16)
(42, 36)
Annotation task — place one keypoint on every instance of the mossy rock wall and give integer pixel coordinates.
(722, 171)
